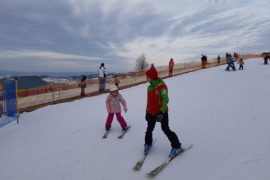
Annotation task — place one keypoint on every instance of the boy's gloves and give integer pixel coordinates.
(160, 117)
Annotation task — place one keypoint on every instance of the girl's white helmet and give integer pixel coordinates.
(113, 88)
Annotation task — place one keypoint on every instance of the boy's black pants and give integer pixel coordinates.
(151, 120)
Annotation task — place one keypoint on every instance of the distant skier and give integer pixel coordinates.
(171, 65)
(157, 111)
(204, 61)
(230, 62)
(116, 81)
(113, 101)
(102, 74)
(266, 59)
(82, 85)
(218, 60)
(241, 64)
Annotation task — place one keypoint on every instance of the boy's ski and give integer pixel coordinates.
(159, 168)
(124, 132)
(139, 164)
(106, 134)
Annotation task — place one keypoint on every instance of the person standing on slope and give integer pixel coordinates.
(102, 74)
(82, 85)
(171, 65)
(241, 64)
(113, 101)
(157, 111)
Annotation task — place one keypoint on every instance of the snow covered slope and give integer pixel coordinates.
(224, 114)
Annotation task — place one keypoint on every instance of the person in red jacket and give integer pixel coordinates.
(157, 111)
(171, 65)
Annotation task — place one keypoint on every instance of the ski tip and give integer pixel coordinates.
(151, 175)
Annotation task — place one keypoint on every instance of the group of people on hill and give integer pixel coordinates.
(156, 110)
(102, 71)
(229, 60)
(157, 102)
(102, 78)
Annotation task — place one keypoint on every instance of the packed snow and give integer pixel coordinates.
(224, 114)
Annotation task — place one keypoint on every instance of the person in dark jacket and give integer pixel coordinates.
(218, 60)
(82, 85)
(157, 111)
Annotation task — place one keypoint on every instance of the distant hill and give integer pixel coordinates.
(26, 82)
(30, 80)
(33, 80)
(4, 74)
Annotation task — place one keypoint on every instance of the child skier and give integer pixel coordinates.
(241, 64)
(116, 80)
(157, 111)
(113, 106)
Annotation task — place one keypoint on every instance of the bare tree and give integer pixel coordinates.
(141, 63)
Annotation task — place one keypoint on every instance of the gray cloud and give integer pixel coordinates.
(75, 35)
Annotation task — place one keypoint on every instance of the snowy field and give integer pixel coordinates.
(224, 114)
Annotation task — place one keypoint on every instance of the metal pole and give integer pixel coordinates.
(17, 104)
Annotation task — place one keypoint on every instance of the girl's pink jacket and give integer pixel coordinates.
(113, 103)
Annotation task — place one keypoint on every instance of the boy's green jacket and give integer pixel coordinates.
(157, 97)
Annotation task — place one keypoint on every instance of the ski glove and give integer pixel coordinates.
(160, 117)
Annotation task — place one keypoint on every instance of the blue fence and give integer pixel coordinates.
(8, 103)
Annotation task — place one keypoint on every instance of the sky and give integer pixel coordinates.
(77, 35)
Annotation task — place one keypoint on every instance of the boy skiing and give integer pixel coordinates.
(157, 111)
(114, 99)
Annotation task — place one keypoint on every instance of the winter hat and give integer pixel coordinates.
(113, 88)
(152, 73)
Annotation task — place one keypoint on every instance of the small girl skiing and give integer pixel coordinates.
(113, 106)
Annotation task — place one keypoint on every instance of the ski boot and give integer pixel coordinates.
(147, 148)
(175, 152)
(124, 129)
